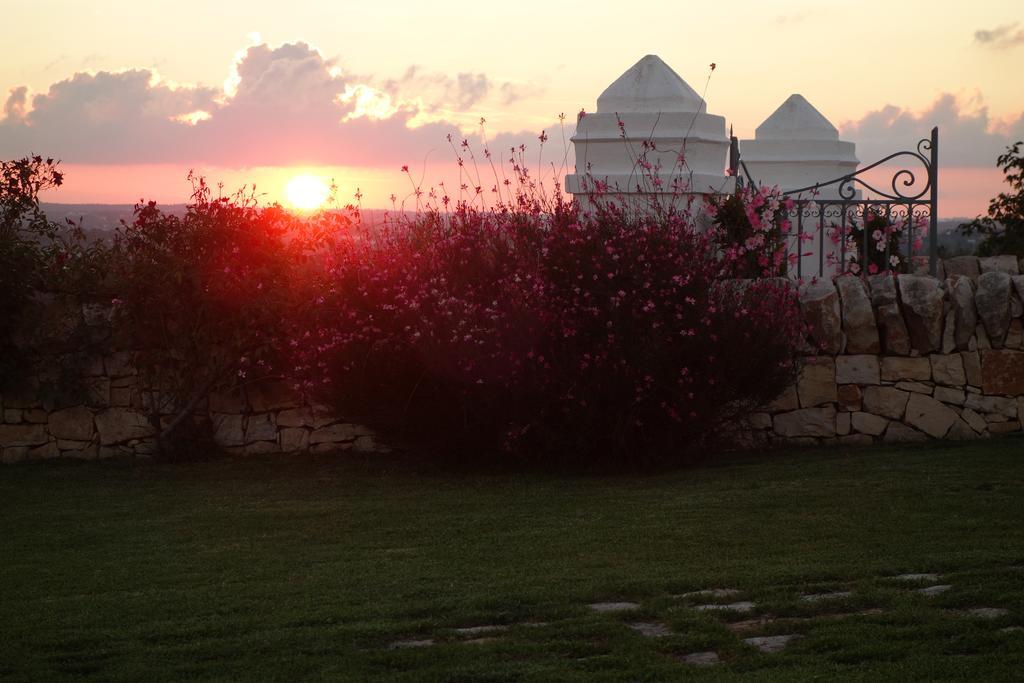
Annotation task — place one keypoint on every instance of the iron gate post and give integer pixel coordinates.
(933, 227)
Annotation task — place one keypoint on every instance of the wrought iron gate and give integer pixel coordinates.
(850, 233)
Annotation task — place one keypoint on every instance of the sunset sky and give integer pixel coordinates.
(131, 95)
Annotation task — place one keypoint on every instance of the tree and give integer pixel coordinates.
(1003, 227)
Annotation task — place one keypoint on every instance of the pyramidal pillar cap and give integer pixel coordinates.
(796, 119)
(650, 85)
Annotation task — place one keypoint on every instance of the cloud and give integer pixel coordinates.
(14, 107)
(966, 138)
(1000, 37)
(281, 105)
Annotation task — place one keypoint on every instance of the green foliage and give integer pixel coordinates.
(44, 268)
(202, 297)
(1003, 227)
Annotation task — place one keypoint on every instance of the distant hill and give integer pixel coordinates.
(99, 220)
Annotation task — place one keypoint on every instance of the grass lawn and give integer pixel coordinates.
(294, 569)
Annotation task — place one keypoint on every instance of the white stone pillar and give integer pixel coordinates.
(650, 104)
(797, 147)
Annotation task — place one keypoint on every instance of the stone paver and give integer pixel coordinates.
(987, 612)
(476, 630)
(771, 643)
(613, 606)
(711, 593)
(651, 629)
(702, 658)
(916, 577)
(742, 606)
(818, 597)
(405, 644)
(934, 590)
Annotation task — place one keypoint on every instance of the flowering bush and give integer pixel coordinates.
(600, 333)
(203, 296)
(877, 243)
(751, 227)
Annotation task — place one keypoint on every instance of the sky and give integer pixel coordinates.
(131, 95)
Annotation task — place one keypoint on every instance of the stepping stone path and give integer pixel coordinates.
(916, 577)
(742, 607)
(710, 593)
(818, 597)
(933, 590)
(405, 644)
(651, 629)
(771, 644)
(701, 658)
(613, 606)
(987, 612)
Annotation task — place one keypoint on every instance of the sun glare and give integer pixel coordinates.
(307, 192)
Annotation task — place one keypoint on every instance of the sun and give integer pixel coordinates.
(307, 192)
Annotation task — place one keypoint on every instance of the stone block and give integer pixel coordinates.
(271, 395)
(1015, 335)
(993, 302)
(335, 433)
(787, 400)
(999, 264)
(930, 416)
(861, 369)
(36, 416)
(960, 431)
(819, 302)
(22, 435)
(999, 405)
(950, 395)
(923, 310)
(962, 311)
(916, 387)
(966, 266)
(228, 429)
(48, 451)
(887, 401)
(72, 423)
(972, 367)
(296, 439)
(1002, 372)
(12, 416)
(843, 424)
(976, 421)
(866, 423)
(260, 427)
(893, 330)
(898, 369)
(1007, 427)
(849, 396)
(897, 432)
(13, 454)
(116, 425)
(948, 369)
(759, 421)
(817, 382)
(858, 318)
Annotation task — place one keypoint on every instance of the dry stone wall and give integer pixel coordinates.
(906, 358)
(889, 359)
(263, 417)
